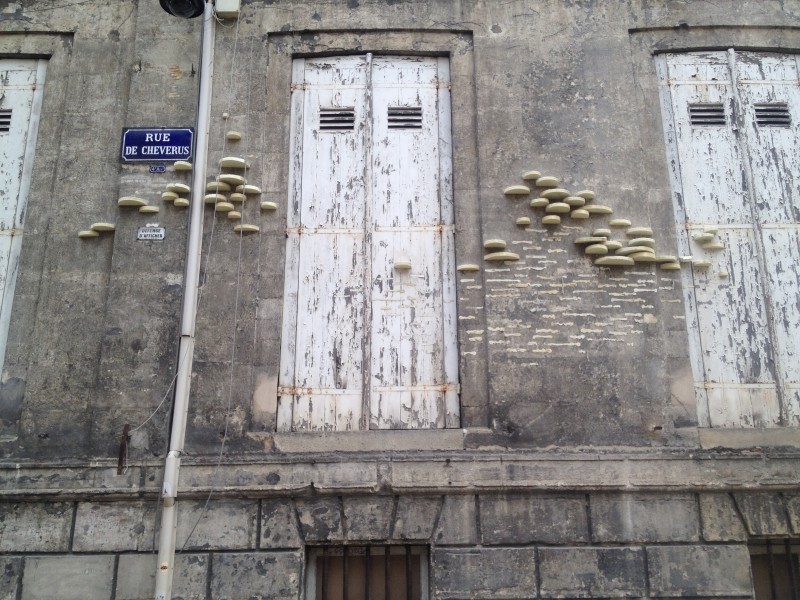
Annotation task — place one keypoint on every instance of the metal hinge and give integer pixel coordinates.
(442, 85)
(298, 86)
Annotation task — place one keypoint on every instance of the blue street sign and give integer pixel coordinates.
(157, 144)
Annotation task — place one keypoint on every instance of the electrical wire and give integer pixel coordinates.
(221, 453)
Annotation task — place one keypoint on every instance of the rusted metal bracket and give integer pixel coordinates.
(298, 86)
(122, 461)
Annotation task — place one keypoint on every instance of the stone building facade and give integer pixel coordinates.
(617, 431)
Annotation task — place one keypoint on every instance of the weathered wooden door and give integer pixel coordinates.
(732, 124)
(369, 311)
(21, 83)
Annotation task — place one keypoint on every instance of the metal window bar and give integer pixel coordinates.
(405, 117)
(776, 569)
(324, 574)
(409, 582)
(337, 119)
(345, 578)
(774, 114)
(707, 114)
(377, 572)
(5, 120)
(387, 575)
(794, 576)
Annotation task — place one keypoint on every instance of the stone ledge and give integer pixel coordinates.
(367, 441)
(273, 475)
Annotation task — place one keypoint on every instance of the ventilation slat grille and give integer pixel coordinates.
(5, 120)
(707, 114)
(337, 119)
(405, 117)
(773, 115)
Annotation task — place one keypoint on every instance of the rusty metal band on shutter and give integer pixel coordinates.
(358, 232)
(321, 391)
(325, 230)
(440, 228)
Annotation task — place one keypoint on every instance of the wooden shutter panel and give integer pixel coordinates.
(21, 84)
(321, 362)
(772, 80)
(408, 381)
(733, 355)
(742, 178)
(358, 331)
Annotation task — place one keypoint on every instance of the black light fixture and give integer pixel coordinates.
(186, 9)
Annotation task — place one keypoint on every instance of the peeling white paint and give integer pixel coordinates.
(739, 179)
(366, 344)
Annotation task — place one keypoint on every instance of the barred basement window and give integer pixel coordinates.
(377, 572)
(776, 569)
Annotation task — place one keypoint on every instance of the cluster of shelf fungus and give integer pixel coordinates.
(636, 246)
(224, 192)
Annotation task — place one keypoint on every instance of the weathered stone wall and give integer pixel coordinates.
(554, 351)
(95, 324)
(587, 367)
(488, 545)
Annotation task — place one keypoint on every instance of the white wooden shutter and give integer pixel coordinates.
(736, 347)
(321, 375)
(360, 336)
(21, 84)
(408, 380)
(769, 95)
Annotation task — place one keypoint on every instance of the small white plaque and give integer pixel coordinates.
(151, 233)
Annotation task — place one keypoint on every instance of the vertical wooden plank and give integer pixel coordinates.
(286, 382)
(774, 154)
(21, 91)
(782, 251)
(369, 210)
(330, 228)
(732, 325)
(448, 257)
(687, 277)
(407, 370)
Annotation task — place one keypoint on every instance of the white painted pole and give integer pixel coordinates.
(165, 568)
